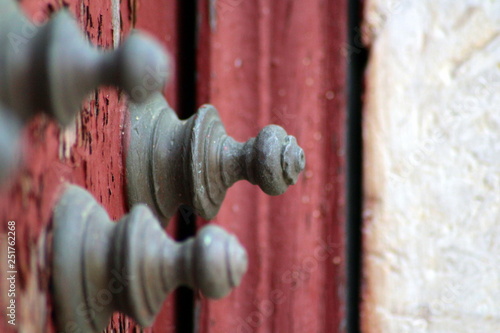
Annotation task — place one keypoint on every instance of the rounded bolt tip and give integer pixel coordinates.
(145, 66)
(220, 261)
(294, 160)
(238, 261)
(277, 160)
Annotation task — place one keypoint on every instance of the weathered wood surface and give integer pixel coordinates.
(432, 167)
(89, 154)
(281, 62)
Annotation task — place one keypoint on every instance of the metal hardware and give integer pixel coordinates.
(172, 162)
(9, 143)
(100, 267)
(51, 68)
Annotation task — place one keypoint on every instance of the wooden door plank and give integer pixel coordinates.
(90, 155)
(159, 19)
(265, 62)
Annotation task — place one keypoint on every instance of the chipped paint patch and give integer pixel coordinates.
(67, 138)
(116, 22)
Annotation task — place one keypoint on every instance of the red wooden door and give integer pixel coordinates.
(280, 62)
(258, 62)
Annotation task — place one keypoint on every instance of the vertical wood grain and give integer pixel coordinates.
(263, 62)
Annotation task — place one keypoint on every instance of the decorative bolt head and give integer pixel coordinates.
(89, 249)
(193, 162)
(55, 69)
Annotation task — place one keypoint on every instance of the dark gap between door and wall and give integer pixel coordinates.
(357, 58)
(186, 76)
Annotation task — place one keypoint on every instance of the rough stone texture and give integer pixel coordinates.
(432, 167)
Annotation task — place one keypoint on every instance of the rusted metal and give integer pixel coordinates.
(100, 267)
(193, 162)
